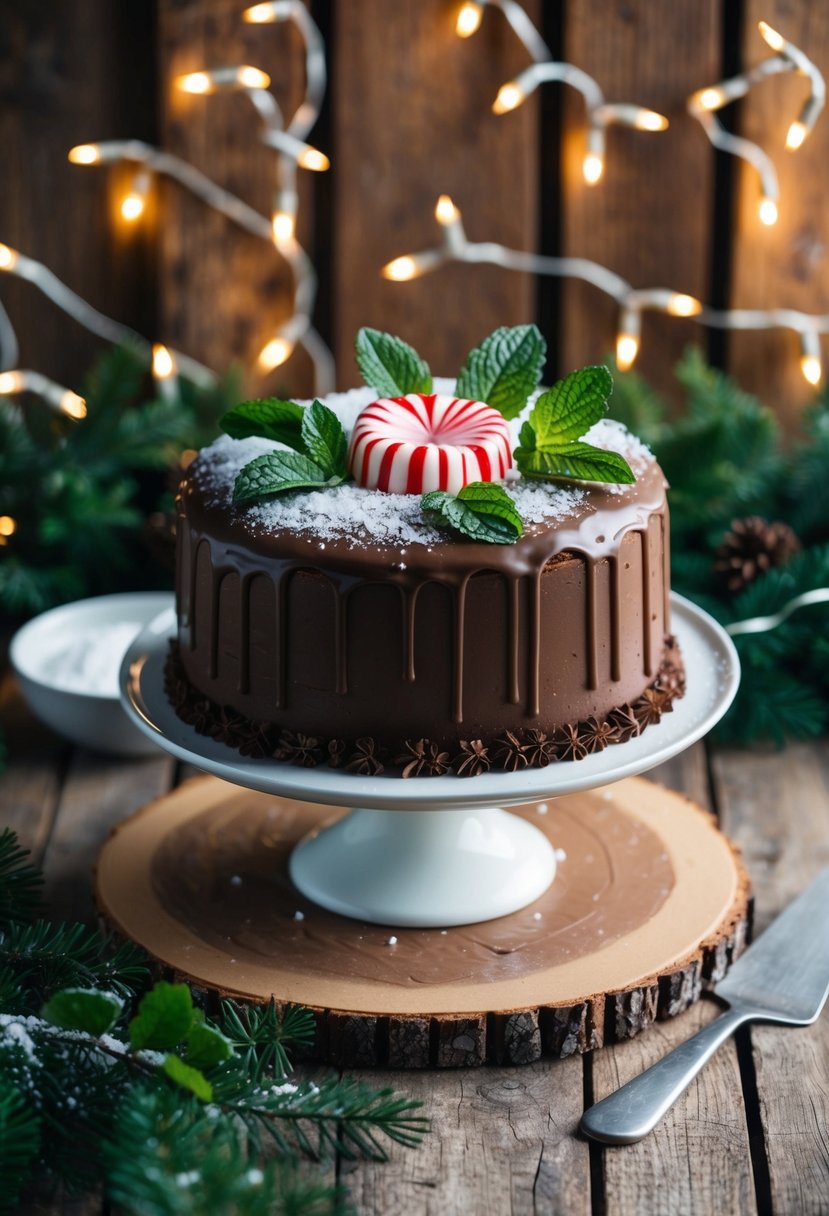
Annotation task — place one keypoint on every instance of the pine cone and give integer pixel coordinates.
(751, 547)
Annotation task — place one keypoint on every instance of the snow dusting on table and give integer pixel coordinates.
(368, 516)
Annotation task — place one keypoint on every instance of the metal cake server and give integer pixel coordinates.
(782, 977)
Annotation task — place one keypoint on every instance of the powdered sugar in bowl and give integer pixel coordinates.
(67, 663)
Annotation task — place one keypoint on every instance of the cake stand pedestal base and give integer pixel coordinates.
(650, 905)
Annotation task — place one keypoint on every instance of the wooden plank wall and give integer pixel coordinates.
(408, 117)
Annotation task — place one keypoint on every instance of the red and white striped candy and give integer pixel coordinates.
(408, 445)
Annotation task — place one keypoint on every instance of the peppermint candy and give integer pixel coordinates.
(428, 441)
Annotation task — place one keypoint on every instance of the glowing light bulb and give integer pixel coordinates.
(132, 207)
(681, 305)
(768, 211)
(8, 258)
(445, 211)
(509, 96)
(401, 269)
(253, 78)
(277, 352)
(195, 82)
(8, 526)
(311, 158)
(73, 405)
(284, 226)
(627, 348)
(164, 365)
(10, 382)
(592, 168)
(649, 120)
(85, 154)
(469, 18)
(709, 99)
(776, 41)
(811, 367)
(796, 134)
(259, 14)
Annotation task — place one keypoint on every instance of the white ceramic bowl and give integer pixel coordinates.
(94, 720)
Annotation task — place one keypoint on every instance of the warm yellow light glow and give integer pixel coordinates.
(401, 269)
(681, 305)
(811, 367)
(509, 96)
(164, 365)
(73, 405)
(277, 351)
(796, 134)
(775, 41)
(195, 82)
(85, 154)
(592, 168)
(8, 258)
(627, 348)
(10, 382)
(259, 14)
(649, 120)
(284, 226)
(446, 212)
(469, 18)
(253, 78)
(709, 99)
(187, 457)
(312, 158)
(768, 211)
(8, 526)
(132, 207)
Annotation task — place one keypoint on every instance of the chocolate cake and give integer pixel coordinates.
(343, 626)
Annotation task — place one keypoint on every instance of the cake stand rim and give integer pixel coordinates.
(145, 702)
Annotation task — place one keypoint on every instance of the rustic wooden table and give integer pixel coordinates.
(750, 1136)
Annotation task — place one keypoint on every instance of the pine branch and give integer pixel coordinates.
(19, 1144)
(263, 1036)
(45, 958)
(20, 883)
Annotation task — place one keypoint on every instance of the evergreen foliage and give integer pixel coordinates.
(725, 460)
(108, 1082)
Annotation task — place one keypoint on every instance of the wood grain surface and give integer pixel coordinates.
(749, 1135)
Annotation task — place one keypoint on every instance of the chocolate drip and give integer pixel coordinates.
(615, 619)
(460, 621)
(340, 638)
(514, 592)
(217, 577)
(534, 706)
(280, 588)
(193, 545)
(647, 655)
(592, 646)
(409, 600)
(244, 641)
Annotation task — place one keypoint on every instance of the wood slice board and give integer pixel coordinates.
(650, 905)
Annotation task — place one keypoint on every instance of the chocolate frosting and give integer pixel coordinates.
(223, 873)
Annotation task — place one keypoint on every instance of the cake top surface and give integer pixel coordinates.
(366, 517)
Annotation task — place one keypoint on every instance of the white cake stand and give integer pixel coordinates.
(434, 851)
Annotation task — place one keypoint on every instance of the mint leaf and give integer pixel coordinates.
(276, 472)
(164, 1017)
(188, 1078)
(83, 1009)
(207, 1046)
(391, 366)
(323, 439)
(574, 462)
(505, 369)
(482, 511)
(269, 418)
(569, 409)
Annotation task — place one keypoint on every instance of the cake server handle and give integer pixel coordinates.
(632, 1111)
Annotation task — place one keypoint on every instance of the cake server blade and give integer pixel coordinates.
(782, 977)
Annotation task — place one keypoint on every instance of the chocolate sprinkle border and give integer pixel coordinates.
(422, 757)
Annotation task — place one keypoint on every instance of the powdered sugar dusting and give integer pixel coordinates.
(367, 516)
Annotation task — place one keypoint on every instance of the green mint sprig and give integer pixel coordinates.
(390, 366)
(505, 369)
(549, 446)
(320, 448)
(482, 510)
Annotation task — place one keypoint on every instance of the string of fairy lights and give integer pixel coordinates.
(288, 142)
(632, 302)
